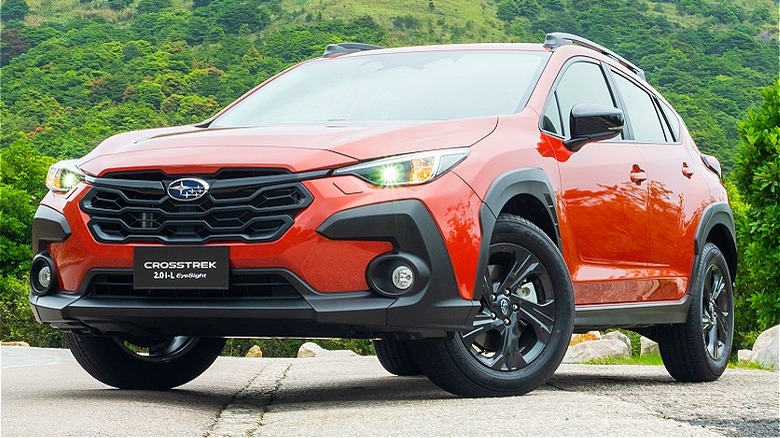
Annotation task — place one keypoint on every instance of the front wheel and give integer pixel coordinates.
(144, 363)
(524, 325)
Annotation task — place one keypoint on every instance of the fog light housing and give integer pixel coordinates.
(403, 277)
(397, 274)
(42, 275)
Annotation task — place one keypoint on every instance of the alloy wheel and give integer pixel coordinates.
(517, 315)
(156, 349)
(715, 317)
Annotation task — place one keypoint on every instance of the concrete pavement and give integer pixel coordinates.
(45, 393)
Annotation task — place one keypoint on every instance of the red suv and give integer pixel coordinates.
(466, 206)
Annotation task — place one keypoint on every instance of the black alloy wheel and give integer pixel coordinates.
(517, 317)
(524, 324)
(698, 350)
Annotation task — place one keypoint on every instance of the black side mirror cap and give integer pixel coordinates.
(591, 122)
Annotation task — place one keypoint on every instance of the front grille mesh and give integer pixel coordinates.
(242, 285)
(251, 207)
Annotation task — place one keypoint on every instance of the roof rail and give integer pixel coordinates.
(557, 39)
(344, 48)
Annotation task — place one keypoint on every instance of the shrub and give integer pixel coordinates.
(757, 175)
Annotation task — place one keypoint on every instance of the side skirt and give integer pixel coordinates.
(634, 315)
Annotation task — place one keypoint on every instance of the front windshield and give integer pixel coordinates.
(434, 85)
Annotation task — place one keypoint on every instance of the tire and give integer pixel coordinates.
(169, 362)
(699, 349)
(523, 328)
(396, 357)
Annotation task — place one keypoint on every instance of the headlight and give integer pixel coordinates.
(63, 176)
(411, 169)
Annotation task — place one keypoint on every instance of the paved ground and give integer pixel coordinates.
(45, 393)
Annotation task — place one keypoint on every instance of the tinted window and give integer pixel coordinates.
(583, 82)
(674, 122)
(434, 85)
(551, 120)
(641, 112)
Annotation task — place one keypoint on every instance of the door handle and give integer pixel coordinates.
(638, 175)
(687, 170)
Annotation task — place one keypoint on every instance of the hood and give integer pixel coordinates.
(297, 148)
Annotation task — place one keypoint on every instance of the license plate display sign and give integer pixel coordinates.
(181, 267)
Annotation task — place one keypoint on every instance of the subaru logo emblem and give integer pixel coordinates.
(505, 307)
(187, 189)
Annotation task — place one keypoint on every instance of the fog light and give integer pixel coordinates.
(44, 277)
(403, 277)
(43, 274)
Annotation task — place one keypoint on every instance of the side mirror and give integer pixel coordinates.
(590, 122)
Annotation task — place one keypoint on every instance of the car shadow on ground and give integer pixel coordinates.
(362, 389)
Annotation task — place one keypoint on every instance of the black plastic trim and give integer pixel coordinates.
(408, 225)
(633, 315)
(528, 181)
(274, 220)
(344, 48)
(715, 214)
(49, 226)
(35, 267)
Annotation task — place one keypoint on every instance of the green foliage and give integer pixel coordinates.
(12, 44)
(746, 325)
(289, 347)
(508, 10)
(757, 175)
(14, 10)
(16, 319)
(648, 359)
(119, 4)
(22, 172)
(149, 6)
(750, 365)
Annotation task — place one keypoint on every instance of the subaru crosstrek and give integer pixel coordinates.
(467, 207)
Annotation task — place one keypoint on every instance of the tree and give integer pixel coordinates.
(508, 10)
(757, 175)
(149, 6)
(14, 10)
(118, 5)
(11, 45)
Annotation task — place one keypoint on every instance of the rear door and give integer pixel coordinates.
(674, 187)
(604, 228)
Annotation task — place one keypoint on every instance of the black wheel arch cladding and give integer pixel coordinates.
(527, 181)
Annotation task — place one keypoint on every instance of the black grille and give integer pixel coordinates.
(251, 206)
(241, 286)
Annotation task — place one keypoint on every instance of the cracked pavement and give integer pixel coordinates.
(45, 393)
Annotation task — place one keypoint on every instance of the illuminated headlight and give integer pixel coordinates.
(402, 170)
(63, 176)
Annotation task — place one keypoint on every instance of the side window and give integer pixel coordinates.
(641, 112)
(551, 120)
(583, 82)
(671, 118)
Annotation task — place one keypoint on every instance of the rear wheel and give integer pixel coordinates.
(524, 325)
(699, 349)
(144, 363)
(396, 357)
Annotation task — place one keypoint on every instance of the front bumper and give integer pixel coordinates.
(430, 310)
